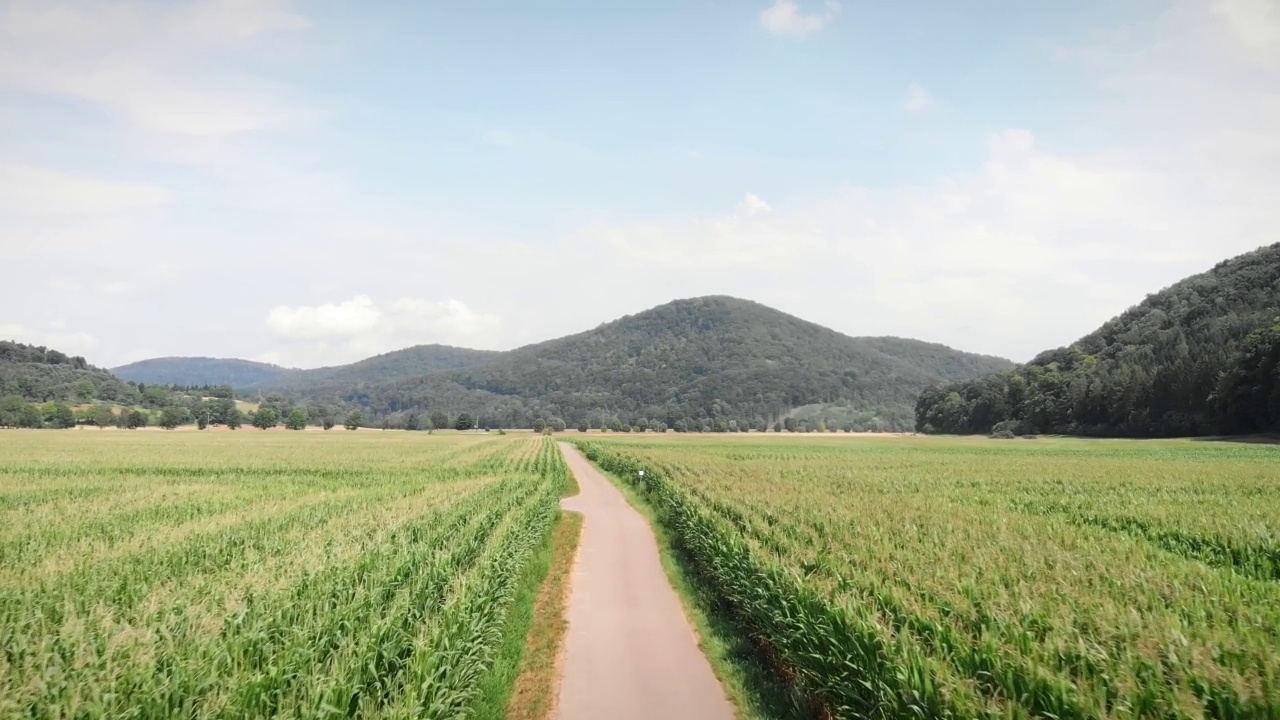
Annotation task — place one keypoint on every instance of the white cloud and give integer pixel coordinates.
(133, 60)
(57, 337)
(324, 321)
(37, 191)
(450, 319)
(1256, 23)
(1036, 246)
(918, 99)
(359, 327)
(1031, 251)
(785, 17)
(1042, 239)
(753, 236)
(753, 205)
(115, 287)
(63, 285)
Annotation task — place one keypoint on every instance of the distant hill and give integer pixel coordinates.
(412, 362)
(713, 357)
(249, 375)
(240, 374)
(1197, 358)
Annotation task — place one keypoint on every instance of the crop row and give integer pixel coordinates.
(379, 590)
(888, 584)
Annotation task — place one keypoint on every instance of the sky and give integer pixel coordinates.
(310, 183)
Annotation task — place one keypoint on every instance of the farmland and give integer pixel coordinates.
(207, 575)
(944, 577)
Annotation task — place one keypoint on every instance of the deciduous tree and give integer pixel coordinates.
(266, 418)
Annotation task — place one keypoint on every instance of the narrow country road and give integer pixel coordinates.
(629, 650)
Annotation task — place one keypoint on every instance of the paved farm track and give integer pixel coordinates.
(629, 651)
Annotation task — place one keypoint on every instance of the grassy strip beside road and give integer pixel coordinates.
(533, 696)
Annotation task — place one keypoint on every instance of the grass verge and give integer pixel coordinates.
(522, 680)
(756, 691)
(533, 696)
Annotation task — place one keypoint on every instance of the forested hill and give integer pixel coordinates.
(248, 375)
(44, 388)
(1198, 358)
(39, 374)
(40, 387)
(410, 362)
(240, 374)
(707, 359)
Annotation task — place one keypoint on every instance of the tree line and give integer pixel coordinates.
(16, 412)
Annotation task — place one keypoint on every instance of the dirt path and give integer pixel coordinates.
(629, 651)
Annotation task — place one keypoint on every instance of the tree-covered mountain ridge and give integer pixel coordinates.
(1197, 358)
(702, 359)
(713, 362)
(245, 375)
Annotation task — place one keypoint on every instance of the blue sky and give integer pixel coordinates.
(311, 182)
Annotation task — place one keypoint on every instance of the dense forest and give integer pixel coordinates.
(41, 387)
(1201, 357)
(715, 362)
(40, 374)
(246, 375)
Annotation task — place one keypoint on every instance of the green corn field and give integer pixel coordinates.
(967, 578)
(235, 575)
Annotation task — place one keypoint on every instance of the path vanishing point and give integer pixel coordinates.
(630, 652)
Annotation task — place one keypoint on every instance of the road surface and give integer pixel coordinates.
(630, 652)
